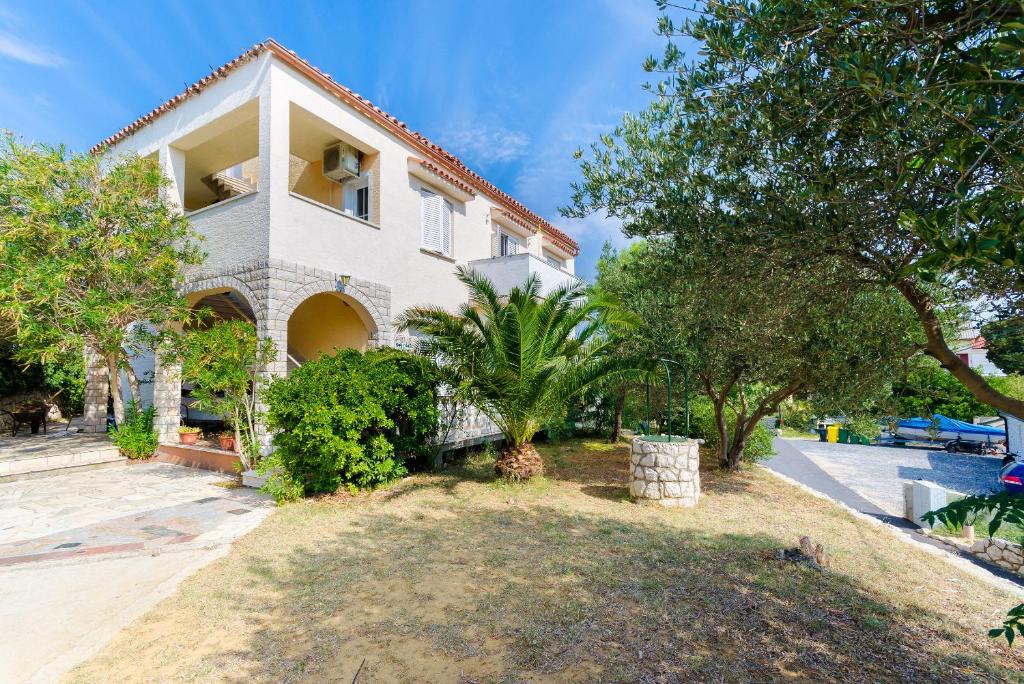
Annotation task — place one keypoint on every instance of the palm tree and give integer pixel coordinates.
(520, 358)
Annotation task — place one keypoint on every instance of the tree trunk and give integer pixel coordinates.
(937, 348)
(519, 462)
(114, 381)
(133, 384)
(620, 404)
(734, 455)
(722, 427)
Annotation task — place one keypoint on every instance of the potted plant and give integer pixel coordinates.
(225, 363)
(188, 434)
(227, 440)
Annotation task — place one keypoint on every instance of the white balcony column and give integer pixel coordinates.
(274, 144)
(172, 163)
(535, 244)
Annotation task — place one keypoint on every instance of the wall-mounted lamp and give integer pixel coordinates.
(342, 282)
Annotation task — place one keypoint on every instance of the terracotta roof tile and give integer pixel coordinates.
(441, 158)
(443, 175)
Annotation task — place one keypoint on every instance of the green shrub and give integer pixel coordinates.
(351, 419)
(798, 415)
(135, 437)
(759, 445)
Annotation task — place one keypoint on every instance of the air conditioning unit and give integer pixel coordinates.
(341, 162)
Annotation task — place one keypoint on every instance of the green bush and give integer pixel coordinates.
(759, 445)
(798, 415)
(351, 419)
(135, 437)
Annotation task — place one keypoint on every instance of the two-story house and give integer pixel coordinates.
(324, 217)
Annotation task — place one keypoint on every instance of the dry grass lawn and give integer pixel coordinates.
(454, 577)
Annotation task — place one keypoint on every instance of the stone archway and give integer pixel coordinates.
(370, 301)
(326, 321)
(167, 392)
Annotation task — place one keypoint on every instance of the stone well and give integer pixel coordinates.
(665, 472)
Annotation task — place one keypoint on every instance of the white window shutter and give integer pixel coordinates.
(431, 233)
(446, 228)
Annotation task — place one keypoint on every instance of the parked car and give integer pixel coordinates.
(1012, 475)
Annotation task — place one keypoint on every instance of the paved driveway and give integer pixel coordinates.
(83, 554)
(870, 478)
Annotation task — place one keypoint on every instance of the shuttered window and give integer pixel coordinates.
(508, 245)
(436, 223)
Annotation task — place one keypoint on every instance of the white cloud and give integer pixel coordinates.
(19, 50)
(484, 145)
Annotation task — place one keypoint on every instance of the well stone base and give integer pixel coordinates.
(666, 473)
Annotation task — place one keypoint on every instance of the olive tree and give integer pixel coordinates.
(88, 249)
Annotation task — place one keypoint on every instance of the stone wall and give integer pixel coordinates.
(1005, 554)
(667, 473)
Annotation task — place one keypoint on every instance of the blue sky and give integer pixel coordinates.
(512, 87)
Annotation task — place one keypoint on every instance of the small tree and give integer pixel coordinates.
(751, 335)
(89, 249)
(226, 362)
(521, 358)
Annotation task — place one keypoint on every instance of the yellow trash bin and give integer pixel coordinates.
(833, 433)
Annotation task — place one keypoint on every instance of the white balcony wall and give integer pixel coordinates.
(512, 271)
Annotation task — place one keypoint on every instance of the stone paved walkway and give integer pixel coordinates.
(84, 553)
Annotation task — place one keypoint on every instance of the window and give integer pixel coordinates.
(552, 261)
(966, 358)
(507, 244)
(436, 223)
(356, 197)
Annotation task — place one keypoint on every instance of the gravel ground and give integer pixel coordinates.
(877, 473)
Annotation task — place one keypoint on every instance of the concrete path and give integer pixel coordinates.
(83, 554)
(876, 474)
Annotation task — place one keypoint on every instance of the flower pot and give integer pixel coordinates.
(188, 437)
(227, 442)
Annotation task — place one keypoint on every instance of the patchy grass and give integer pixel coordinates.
(797, 433)
(456, 577)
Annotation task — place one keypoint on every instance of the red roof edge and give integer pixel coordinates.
(435, 153)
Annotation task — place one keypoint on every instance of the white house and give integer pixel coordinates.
(971, 347)
(324, 217)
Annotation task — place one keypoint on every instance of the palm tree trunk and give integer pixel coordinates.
(519, 462)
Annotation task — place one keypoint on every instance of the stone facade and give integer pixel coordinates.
(273, 289)
(667, 473)
(96, 391)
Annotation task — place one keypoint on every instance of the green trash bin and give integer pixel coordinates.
(844, 436)
(866, 441)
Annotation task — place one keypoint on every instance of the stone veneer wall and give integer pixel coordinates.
(1006, 554)
(96, 391)
(666, 473)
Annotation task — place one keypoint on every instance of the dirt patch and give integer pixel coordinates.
(456, 577)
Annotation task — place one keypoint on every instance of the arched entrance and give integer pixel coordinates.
(324, 322)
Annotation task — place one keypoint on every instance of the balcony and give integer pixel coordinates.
(511, 271)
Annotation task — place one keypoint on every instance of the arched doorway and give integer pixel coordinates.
(324, 322)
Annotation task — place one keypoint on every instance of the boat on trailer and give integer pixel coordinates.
(940, 428)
